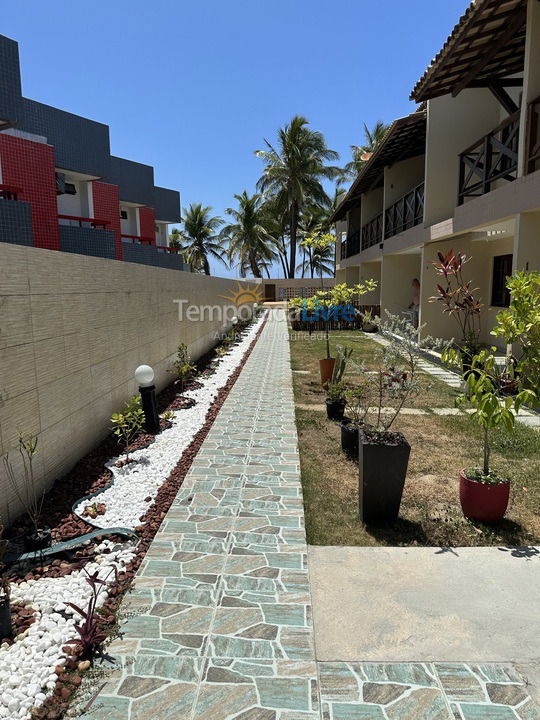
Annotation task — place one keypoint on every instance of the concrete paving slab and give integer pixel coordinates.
(426, 604)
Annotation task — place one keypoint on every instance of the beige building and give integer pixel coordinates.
(461, 172)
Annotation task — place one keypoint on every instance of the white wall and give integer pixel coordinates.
(453, 125)
(398, 272)
(402, 177)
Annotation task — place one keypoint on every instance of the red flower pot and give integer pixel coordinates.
(483, 502)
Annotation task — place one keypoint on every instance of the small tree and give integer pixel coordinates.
(128, 424)
(396, 378)
(489, 410)
(30, 497)
(520, 325)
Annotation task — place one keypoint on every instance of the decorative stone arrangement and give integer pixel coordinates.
(29, 668)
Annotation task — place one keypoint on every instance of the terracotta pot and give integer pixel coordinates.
(483, 502)
(326, 367)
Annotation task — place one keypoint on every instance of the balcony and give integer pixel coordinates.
(494, 157)
(82, 222)
(372, 232)
(405, 213)
(137, 239)
(8, 192)
(351, 246)
(86, 236)
(533, 136)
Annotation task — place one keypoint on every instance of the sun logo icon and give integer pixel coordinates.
(245, 294)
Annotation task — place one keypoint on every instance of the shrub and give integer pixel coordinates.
(520, 325)
(128, 424)
(182, 366)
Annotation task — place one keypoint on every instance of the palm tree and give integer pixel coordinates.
(294, 172)
(362, 153)
(175, 239)
(275, 219)
(249, 240)
(200, 237)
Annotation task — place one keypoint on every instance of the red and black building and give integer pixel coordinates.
(61, 189)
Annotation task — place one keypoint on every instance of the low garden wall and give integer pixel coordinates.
(73, 329)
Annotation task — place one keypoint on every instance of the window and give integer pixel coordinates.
(502, 268)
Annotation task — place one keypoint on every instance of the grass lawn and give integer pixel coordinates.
(430, 510)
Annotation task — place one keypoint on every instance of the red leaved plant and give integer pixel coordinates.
(90, 633)
(457, 296)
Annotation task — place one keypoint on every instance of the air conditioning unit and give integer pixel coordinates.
(123, 215)
(63, 187)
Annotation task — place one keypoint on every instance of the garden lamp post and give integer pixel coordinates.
(144, 375)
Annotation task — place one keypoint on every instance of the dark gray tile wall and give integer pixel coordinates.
(10, 81)
(15, 222)
(79, 144)
(167, 204)
(145, 254)
(135, 181)
(171, 261)
(87, 241)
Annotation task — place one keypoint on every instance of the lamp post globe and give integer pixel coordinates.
(144, 376)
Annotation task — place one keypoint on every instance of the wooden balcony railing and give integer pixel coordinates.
(84, 221)
(8, 192)
(405, 213)
(533, 136)
(493, 157)
(372, 232)
(138, 239)
(351, 246)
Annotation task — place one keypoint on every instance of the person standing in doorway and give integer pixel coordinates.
(414, 307)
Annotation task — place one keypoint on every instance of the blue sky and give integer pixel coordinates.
(193, 87)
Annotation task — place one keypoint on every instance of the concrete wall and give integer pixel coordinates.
(398, 272)
(402, 177)
(372, 204)
(371, 271)
(479, 269)
(453, 125)
(72, 331)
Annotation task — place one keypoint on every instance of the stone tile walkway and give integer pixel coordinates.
(219, 626)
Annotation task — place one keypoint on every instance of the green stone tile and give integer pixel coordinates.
(353, 711)
(408, 673)
(285, 693)
(486, 712)
(459, 683)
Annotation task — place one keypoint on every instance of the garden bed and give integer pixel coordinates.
(440, 446)
(40, 661)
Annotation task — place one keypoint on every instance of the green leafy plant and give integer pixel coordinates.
(397, 377)
(29, 495)
(168, 415)
(359, 399)
(488, 409)
(128, 424)
(182, 366)
(336, 391)
(519, 324)
(343, 357)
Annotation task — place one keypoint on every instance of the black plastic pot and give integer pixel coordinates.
(39, 540)
(6, 631)
(382, 471)
(349, 438)
(335, 409)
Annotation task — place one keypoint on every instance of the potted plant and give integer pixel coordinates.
(6, 629)
(30, 497)
(457, 296)
(383, 454)
(357, 399)
(483, 493)
(335, 400)
(368, 325)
